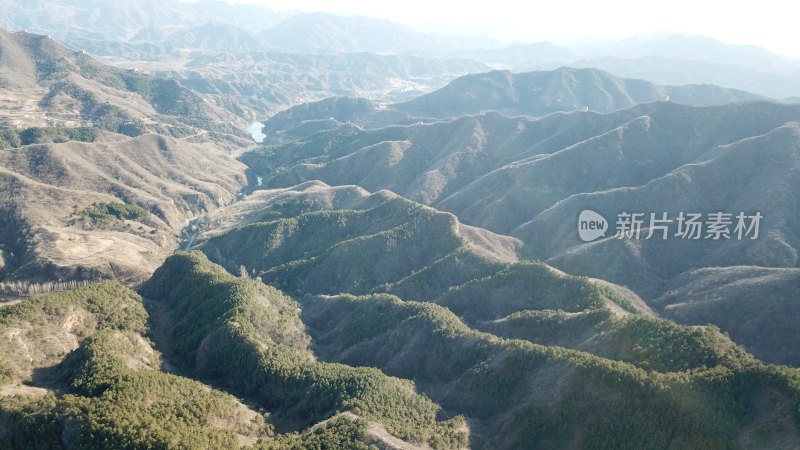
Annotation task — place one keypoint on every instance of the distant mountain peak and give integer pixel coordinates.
(566, 88)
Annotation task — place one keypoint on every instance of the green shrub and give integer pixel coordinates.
(11, 138)
(106, 211)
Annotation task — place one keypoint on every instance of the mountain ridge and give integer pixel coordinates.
(531, 178)
(534, 94)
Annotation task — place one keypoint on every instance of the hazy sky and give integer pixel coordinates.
(768, 23)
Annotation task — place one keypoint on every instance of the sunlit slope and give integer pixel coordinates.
(78, 372)
(499, 172)
(530, 179)
(247, 337)
(82, 369)
(109, 209)
(320, 249)
(49, 84)
(523, 395)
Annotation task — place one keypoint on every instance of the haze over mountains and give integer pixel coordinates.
(397, 264)
(533, 94)
(147, 31)
(260, 84)
(146, 21)
(123, 20)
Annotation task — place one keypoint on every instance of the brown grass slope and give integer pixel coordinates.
(498, 172)
(48, 188)
(47, 84)
(756, 174)
(531, 179)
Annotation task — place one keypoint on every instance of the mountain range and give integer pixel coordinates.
(533, 94)
(261, 84)
(401, 263)
(121, 21)
(679, 71)
(149, 30)
(314, 32)
(314, 240)
(565, 89)
(48, 85)
(531, 178)
(693, 48)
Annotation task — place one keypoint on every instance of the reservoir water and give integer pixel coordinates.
(255, 130)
